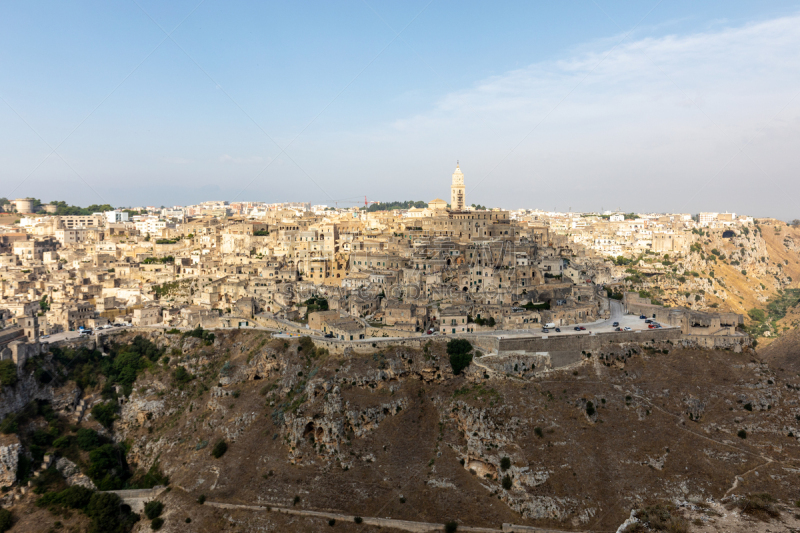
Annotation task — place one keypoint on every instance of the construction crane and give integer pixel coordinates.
(355, 200)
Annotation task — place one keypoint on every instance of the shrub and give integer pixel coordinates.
(507, 484)
(182, 376)
(6, 520)
(759, 505)
(296, 500)
(748, 406)
(742, 434)
(156, 524)
(105, 413)
(538, 432)
(219, 449)
(505, 463)
(75, 497)
(87, 439)
(451, 527)
(188, 520)
(590, 410)
(8, 373)
(332, 522)
(358, 520)
(152, 509)
(662, 518)
(202, 499)
(107, 513)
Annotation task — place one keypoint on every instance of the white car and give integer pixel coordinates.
(626, 328)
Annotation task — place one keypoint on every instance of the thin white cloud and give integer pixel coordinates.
(643, 121)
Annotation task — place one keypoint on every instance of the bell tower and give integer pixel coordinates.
(457, 199)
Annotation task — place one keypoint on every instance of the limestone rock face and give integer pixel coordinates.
(72, 474)
(9, 458)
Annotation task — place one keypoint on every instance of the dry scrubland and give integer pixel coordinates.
(396, 434)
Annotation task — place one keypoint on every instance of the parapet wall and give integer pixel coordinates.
(580, 342)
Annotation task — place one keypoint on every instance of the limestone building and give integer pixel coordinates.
(457, 199)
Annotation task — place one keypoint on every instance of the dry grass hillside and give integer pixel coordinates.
(396, 434)
(738, 270)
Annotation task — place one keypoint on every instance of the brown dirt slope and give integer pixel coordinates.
(395, 434)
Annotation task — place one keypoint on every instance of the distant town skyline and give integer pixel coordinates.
(651, 108)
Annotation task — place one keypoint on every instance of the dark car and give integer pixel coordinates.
(558, 330)
(329, 335)
(545, 330)
(618, 328)
(615, 324)
(648, 321)
(577, 328)
(642, 317)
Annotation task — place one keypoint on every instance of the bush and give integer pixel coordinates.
(152, 509)
(87, 439)
(759, 505)
(219, 449)
(332, 522)
(105, 413)
(590, 410)
(156, 524)
(538, 432)
(662, 518)
(182, 376)
(358, 520)
(507, 484)
(742, 434)
(8, 373)
(296, 500)
(107, 513)
(6, 520)
(505, 463)
(74, 497)
(202, 499)
(460, 354)
(451, 527)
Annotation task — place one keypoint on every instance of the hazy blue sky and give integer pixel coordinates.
(662, 106)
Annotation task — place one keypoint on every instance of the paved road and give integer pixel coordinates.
(617, 315)
(72, 335)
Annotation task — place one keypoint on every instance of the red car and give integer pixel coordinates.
(583, 328)
(651, 326)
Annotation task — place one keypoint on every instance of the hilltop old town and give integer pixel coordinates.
(360, 273)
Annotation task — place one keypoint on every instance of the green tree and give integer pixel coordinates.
(105, 413)
(152, 509)
(460, 354)
(8, 373)
(6, 518)
(219, 449)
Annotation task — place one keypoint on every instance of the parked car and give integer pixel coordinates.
(577, 328)
(617, 328)
(558, 330)
(329, 335)
(650, 326)
(615, 324)
(44, 336)
(627, 328)
(545, 330)
(583, 328)
(642, 317)
(648, 321)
